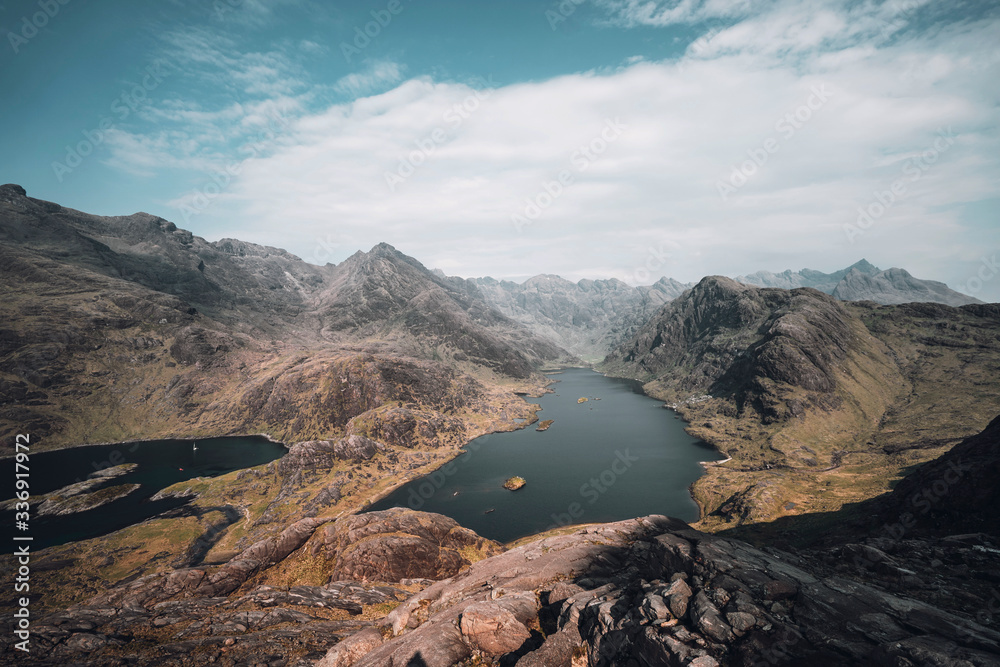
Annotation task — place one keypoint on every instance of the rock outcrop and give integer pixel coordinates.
(647, 591)
(652, 591)
(321, 454)
(396, 544)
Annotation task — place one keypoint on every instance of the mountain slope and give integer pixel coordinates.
(818, 402)
(115, 328)
(389, 299)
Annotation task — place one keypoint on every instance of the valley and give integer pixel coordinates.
(827, 415)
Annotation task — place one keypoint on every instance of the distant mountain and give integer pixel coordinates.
(824, 282)
(587, 317)
(863, 281)
(590, 317)
(894, 286)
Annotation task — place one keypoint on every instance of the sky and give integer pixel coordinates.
(627, 139)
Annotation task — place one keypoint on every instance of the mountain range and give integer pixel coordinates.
(124, 327)
(586, 317)
(863, 281)
(853, 521)
(804, 391)
(590, 317)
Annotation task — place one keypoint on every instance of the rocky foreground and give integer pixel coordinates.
(647, 591)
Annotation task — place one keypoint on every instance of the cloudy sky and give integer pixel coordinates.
(589, 138)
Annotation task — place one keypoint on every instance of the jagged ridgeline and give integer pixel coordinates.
(377, 370)
(591, 317)
(123, 327)
(819, 402)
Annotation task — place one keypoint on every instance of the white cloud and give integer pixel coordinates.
(377, 75)
(479, 155)
(660, 13)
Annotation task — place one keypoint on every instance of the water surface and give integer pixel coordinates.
(615, 458)
(161, 464)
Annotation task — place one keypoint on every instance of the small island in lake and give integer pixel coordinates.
(544, 425)
(514, 483)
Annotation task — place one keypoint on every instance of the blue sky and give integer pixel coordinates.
(588, 138)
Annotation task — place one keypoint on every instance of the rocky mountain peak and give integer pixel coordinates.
(717, 287)
(12, 190)
(864, 266)
(548, 282)
(383, 249)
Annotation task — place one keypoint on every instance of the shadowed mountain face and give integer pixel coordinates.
(863, 281)
(128, 326)
(956, 493)
(723, 337)
(804, 391)
(587, 317)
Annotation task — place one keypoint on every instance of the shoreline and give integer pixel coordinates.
(147, 440)
(533, 419)
(706, 465)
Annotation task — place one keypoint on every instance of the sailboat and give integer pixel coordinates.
(194, 448)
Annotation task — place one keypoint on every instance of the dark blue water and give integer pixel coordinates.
(161, 463)
(604, 460)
